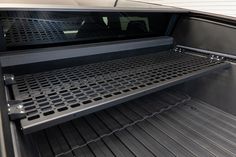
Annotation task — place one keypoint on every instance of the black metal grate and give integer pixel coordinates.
(28, 31)
(55, 96)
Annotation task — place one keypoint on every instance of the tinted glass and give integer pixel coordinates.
(22, 29)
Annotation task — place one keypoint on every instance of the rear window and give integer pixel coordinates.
(126, 21)
(41, 29)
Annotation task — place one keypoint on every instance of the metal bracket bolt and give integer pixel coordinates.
(215, 57)
(16, 110)
(178, 49)
(9, 79)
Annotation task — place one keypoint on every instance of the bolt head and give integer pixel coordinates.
(20, 106)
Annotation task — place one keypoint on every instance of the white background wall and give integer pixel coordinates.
(225, 7)
(74, 3)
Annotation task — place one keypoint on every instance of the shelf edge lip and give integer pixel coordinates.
(206, 51)
(115, 101)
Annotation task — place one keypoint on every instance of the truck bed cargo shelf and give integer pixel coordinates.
(53, 97)
(184, 130)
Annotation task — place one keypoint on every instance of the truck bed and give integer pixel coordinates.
(167, 123)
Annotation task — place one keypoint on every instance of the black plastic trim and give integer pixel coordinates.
(50, 54)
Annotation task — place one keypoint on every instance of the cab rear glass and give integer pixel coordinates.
(21, 29)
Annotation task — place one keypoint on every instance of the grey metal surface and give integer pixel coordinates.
(217, 89)
(57, 96)
(201, 33)
(184, 130)
(6, 147)
(48, 54)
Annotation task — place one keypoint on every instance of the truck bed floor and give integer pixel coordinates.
(166, 123)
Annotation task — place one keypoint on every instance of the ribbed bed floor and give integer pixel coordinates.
(161, 124)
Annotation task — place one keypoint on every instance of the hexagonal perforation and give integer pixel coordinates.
(59, 91)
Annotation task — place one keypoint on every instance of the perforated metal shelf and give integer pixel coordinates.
(57, 96)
